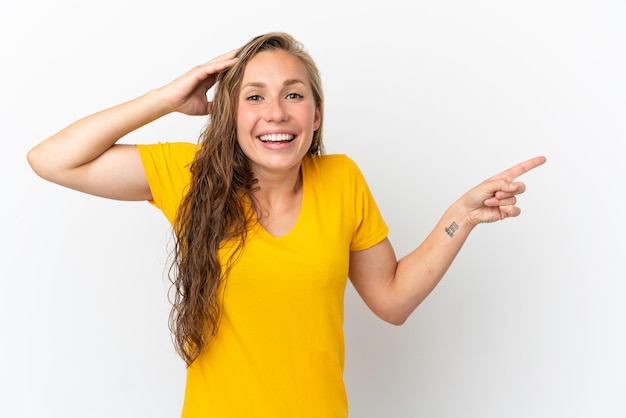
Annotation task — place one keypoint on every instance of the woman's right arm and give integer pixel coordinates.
(84, 156)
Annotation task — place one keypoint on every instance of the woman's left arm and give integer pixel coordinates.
(393, 289)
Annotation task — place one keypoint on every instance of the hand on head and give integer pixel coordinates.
(188, 93)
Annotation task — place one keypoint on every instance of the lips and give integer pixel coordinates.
(276, 138)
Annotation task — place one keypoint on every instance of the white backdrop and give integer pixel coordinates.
(429, 98)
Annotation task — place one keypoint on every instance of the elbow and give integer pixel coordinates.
(40, 163)
(398, 321)
(394, 312)
(395, 318)
(35, 162)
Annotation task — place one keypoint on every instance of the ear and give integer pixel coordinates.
(317, 120)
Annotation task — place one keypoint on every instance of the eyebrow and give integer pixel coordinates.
(259, 84)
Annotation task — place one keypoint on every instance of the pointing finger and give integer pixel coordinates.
(521, 168)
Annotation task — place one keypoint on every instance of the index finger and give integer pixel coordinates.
(521, 168)
(219, 63)
(227, 55)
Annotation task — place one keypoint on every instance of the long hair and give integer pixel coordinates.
(218, 207)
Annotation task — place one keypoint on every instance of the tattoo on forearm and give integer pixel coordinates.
(453, 227)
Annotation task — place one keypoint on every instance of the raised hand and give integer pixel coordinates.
(495, 198)
(84, 155)
(187, 93)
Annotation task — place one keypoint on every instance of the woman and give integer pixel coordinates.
(268, 229)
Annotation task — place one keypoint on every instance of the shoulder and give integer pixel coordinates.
(171, 148)
(333, 172)
(329, 164)
(165, 152)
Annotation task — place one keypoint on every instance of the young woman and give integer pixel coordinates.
(267, 227)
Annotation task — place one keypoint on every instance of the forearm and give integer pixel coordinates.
(88, 138)
(420, 271)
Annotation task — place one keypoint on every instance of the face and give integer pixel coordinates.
(276, 115)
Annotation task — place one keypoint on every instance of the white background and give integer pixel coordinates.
(429, 98)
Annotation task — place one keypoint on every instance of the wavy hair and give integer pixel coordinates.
(218, 207)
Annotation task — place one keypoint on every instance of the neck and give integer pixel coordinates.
(275, 189)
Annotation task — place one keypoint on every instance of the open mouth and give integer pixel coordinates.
(276, 138)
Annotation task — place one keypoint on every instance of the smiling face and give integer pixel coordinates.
(276, 112)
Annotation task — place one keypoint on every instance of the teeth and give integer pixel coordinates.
(276, 138)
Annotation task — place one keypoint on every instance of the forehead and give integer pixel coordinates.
(274, 66)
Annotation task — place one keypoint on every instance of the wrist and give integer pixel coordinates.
(457, 218)
(159, 102)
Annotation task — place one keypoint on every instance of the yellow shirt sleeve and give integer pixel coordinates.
(370, 227)
(167, 169)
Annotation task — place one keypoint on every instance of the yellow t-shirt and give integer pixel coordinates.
(279, 350)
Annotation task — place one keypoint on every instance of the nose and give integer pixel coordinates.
(276, 111)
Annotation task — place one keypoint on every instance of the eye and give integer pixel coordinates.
(253, 98)
(294, 96)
